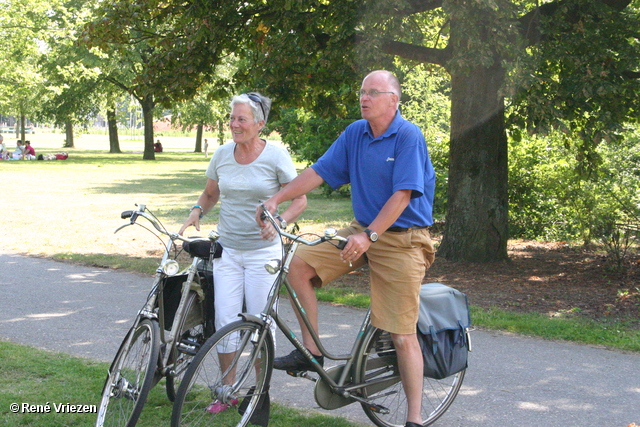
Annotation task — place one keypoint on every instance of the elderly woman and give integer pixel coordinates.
(240, 175)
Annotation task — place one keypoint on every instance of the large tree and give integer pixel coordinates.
(581, 56)
(21, 82)
(162, 52)
(569, 63)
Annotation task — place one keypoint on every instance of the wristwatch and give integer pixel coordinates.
(373, 236)
(201, 210)
(283, 223)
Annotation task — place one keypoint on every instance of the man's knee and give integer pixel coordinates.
(301, 273)
(405, 342)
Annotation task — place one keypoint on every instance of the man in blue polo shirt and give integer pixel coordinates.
(384, 158)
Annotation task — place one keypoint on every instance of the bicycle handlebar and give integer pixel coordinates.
(141, 212)
(329, 233)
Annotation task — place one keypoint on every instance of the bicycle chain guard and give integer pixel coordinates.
(325, 397)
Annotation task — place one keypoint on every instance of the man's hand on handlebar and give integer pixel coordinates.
(357, 245)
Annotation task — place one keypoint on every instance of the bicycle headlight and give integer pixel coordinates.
(170, 267)
(273, 266)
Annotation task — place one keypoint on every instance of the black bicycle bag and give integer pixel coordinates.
(442, 330)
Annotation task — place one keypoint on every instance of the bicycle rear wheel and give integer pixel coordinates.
(130, 377)
(188, 341)
(232, 370)
(380, 367)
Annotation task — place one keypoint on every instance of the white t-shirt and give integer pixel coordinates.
(243, 187)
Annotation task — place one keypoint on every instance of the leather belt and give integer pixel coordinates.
(402, 230)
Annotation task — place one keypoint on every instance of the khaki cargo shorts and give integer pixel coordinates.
(397, 263)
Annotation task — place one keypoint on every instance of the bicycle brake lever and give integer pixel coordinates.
(121, 227)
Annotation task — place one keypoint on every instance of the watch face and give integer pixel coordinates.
(373, 236)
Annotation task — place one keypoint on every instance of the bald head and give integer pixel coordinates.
(390, 79)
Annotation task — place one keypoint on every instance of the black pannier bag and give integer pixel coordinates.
(207, 251)
(442, 330)
(171, 294)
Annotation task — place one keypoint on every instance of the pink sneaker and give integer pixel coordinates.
(216, 406)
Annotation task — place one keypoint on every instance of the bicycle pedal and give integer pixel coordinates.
(188, 347)
(378, 408)
(301, 374)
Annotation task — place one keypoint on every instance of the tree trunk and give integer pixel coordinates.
(23, 121)
(199, 130)
(220, 131)
(112, 125)
(476, 227)
(147, 114)
(68, 131)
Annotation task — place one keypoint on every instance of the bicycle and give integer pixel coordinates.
(167, 332)
(369, 374)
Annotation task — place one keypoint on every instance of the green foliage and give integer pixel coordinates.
(302, 54)
(306, 135)
(426, 103)
(551, 199)
(581, 78)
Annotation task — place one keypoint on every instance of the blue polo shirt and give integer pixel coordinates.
(378, 167)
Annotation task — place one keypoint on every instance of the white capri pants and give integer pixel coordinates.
(237, 275)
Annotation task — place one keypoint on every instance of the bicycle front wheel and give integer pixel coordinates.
(130, 377)
(189, 339)
(228, 380)
(379, 368)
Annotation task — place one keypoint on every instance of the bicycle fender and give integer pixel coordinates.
(251, 318)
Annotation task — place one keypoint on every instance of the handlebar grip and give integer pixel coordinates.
(341, 244)
(126, 214)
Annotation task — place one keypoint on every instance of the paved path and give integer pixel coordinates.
(512, 380)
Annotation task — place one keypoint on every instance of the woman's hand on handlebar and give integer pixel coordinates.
(193, 219)
(260, 216)
(267, 230)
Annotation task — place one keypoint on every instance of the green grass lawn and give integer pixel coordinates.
(46, 386)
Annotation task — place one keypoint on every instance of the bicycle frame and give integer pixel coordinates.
(155, 300)
(341, 386)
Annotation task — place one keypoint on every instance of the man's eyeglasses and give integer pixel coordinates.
(372, 93)
(255, 98)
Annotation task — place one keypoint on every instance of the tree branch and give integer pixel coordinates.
(417, 6)
(631, 74)
(530, 22)
(407, 8)
(417, 53)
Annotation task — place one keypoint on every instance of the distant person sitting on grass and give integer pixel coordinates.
(29, 152)
(157, 147)
(3, 149)
(18, 153)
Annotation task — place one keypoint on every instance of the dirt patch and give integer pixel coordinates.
(554, 279)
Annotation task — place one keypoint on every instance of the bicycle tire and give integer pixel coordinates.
(191, 328)
(130, 377)
(379, 363)
(204, 382)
